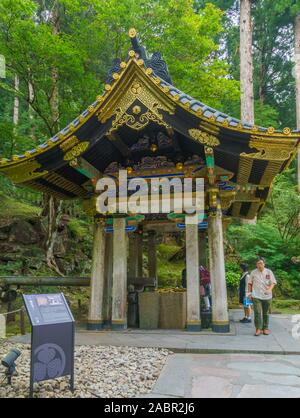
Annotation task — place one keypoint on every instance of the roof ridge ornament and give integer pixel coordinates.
(138, 52)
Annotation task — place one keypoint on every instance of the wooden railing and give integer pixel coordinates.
(44, 281)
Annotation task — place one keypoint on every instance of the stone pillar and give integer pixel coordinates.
(220, 319)
(95, 318)
(133, 256)
(192, 276)
(139, 240)
(119, 291)
(2, 326)
(107, 299)
(152, 261)
(202, 249)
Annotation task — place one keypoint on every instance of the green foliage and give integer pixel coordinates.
(274, 237)
(232, 276)
(91, 34)
(12, 208)
(232, 279)
(79, 228)
(169, 273)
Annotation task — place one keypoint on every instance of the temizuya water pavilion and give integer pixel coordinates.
(144, 124)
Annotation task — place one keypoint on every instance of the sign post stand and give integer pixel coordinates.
(52, 338)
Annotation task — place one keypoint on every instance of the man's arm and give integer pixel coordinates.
(273, 280)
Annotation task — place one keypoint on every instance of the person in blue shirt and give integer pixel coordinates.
(244, 300)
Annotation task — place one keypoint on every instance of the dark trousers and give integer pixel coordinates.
(261, 313)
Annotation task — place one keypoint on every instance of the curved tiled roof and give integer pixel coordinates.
(49, 170)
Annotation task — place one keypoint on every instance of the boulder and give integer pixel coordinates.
(23, 232)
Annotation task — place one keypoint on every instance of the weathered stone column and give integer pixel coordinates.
(119, 291)
(192, 276)
(202, 249)
(220, 319)
(95, 318)
(139, 239)
(152, 261)
(133, 256)
(108, 280)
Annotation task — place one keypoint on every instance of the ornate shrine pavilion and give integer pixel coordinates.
(145, 125)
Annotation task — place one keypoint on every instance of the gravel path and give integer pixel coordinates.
(105, 372)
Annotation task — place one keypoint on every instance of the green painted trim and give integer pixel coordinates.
(210, 161)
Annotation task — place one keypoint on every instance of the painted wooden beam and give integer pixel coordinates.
(85, 168)
(117, 141)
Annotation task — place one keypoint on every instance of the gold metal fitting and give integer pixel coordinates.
(179, 166)
(136, 110)
(149, 71)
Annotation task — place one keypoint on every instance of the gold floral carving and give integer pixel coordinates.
(23, 172)
(204, 138)
(69, 143)
(76, 151)
(125, 112)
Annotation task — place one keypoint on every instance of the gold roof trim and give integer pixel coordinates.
(21, 172)
(134, 66)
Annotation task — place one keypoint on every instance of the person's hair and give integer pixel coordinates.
(261, 259)
(244, 266)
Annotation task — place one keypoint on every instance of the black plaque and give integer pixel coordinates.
(52, 337)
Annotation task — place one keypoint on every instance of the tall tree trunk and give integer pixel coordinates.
(246, 68)
(53, 207)
(246, 59)
(16, 114)
(54, 102)
(297, 76)
(16, 102)
(30, 110)
(53, 211)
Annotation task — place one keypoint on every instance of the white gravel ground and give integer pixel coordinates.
(105, 372)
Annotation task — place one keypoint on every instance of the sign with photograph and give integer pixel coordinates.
(52, 337)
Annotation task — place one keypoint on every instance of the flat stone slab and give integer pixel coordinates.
(269, 391)
(229, 376)
(271, 368)
(207, 386)
(275, 379)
